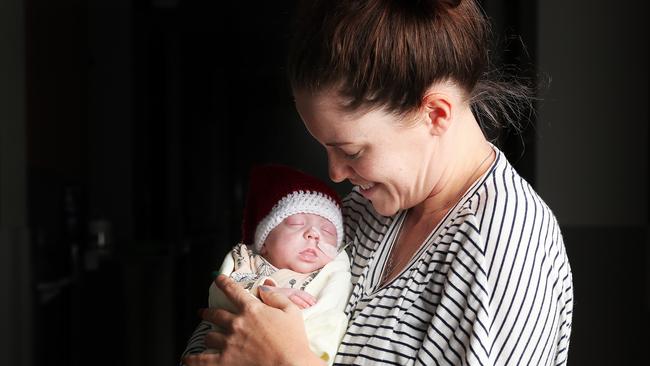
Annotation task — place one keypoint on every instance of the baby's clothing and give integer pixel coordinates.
(252, 270)
(325, 322)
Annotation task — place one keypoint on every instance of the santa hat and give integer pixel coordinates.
(276, 192)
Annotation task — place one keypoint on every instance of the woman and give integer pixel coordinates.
(455, 259)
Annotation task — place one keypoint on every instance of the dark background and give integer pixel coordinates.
(127, 128)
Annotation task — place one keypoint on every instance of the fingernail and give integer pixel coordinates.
(263, 288)
(221, 277)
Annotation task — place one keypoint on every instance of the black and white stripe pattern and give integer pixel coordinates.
(196, 343)
(491, 286)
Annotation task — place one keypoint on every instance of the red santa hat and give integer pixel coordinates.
(276, 192)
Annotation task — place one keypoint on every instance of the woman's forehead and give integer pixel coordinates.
(330, 103)
(333, 125)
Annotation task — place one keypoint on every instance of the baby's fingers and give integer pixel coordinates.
(219, 317)
(308, 298)
(300, 302)
(215, 341)
(305, 296)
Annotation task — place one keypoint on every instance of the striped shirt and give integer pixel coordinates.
(490, 286)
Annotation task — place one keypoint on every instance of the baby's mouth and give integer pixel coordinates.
(308, 255)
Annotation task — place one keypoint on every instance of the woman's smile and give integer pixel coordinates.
(366, 189)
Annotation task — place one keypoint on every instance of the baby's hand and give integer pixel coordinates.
(298, 297)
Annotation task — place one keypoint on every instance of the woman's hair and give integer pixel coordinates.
(387, 53)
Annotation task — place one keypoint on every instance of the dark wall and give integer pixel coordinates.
(15, 312)
(592, 169)
(142, 119)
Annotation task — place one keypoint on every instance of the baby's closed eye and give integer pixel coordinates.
(295, 220)
(329, 229)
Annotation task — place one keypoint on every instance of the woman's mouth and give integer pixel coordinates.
(366, 188)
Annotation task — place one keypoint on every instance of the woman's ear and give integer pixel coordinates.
(438, 109)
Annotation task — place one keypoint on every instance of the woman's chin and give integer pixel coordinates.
(384, 209)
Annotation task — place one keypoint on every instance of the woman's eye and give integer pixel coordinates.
(352, 156)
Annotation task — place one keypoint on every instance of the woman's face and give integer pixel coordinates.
(390, 162)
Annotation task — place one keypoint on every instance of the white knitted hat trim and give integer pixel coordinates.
(300, 202)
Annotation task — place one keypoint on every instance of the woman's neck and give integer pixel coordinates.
(469, 156)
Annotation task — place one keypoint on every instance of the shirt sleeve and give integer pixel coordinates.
(196, 342)
(504, 302)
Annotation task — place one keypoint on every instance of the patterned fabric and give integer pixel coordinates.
(252, 270)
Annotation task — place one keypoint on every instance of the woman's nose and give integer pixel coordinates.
(337, 168)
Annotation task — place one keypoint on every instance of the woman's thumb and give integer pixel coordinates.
(273, 298)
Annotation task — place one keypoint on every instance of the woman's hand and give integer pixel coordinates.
(201, 359)
(261, 333)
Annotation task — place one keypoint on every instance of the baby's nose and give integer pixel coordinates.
(312, 233)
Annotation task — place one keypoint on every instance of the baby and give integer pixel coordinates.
(292, 235)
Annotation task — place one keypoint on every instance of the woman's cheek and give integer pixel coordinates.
(370, 169)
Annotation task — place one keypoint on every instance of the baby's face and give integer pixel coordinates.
(301, 243)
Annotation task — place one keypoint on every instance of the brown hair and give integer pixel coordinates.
(386, 53)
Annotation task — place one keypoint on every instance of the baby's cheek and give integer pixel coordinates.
(329, 250)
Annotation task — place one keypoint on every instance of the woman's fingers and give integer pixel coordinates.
(234, 292)
(275, 299)
(250, 334)
(256, 333)
(219, 317)
(215, 341)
